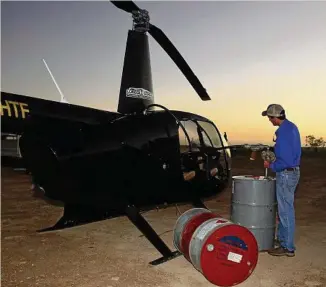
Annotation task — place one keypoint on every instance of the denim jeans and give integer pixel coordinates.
(286, 183)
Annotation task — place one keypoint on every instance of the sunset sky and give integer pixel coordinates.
(246, 54)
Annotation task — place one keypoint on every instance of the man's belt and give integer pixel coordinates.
(291, 168)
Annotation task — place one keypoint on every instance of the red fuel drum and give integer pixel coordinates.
(186, 226)
(224, 252)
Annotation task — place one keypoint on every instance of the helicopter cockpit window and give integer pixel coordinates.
(206, 139)
(210, 135)
(191, 129)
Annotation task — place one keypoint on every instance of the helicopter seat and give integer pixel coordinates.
(214, 172)
(189, 175)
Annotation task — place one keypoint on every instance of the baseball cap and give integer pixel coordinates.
(273, 110)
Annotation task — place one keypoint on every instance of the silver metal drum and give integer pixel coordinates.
(182, 222)
(254, 207)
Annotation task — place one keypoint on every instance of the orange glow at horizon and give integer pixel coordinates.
(236, 106)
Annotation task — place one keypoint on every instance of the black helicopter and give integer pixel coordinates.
(103, 164)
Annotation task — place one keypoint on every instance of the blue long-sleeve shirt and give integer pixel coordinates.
(287, 147)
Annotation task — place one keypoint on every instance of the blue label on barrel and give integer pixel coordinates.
(234, 241)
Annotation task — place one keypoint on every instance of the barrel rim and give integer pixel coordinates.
(252, 177)
(194, 240)
(252, 253)
(180, 218)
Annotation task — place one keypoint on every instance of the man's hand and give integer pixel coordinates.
(266, 164)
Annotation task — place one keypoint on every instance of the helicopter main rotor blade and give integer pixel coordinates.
(171, 50)
(127, 6)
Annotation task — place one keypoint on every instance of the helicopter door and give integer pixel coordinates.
(199, 155)
(191, 158)
(212, 146)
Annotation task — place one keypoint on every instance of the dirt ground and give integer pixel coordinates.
(114, 253)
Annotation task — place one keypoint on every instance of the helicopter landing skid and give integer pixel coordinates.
(74, 215)
(139, 221)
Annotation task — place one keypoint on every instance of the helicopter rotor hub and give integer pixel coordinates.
(140, 20)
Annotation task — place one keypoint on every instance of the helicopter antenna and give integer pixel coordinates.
(63, 99)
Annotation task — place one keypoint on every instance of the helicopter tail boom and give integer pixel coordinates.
(136, 90)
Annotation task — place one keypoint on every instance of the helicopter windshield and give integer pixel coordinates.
(205, 129)
(215, 139)
(210, 135)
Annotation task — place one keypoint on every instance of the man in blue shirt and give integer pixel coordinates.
(287, 168)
